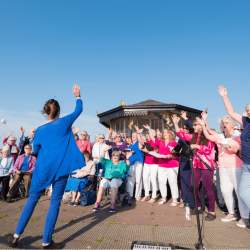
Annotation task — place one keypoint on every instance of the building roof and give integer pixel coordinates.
(142, 109)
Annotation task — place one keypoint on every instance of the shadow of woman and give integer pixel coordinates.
(98, 217)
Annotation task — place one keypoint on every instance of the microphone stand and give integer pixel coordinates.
(199, 245)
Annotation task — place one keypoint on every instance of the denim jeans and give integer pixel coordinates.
(244, 188)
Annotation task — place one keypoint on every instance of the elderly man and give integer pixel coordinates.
(22, 170)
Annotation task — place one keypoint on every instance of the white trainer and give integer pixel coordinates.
(229, 218)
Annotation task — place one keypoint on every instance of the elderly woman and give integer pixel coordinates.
(113, 177)
(83, 142)
(58, 156)
(79, 180)
(22, 170)
(11, 142)
(98, 150)
(244, 121)
(230, 166)
(6, 165)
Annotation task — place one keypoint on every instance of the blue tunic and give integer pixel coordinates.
(138, 155)
(58, 154)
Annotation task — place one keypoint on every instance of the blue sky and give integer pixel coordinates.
(175, 51)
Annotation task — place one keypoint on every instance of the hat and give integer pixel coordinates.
(5, 148)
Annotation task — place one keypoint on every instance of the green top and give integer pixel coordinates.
(114, 171)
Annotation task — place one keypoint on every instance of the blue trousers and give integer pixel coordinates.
(186, 182)
(244, 188)
(55, 202)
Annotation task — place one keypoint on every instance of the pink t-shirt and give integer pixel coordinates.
(166, 149)
(228, 157)
(149, 159)
(84, 145)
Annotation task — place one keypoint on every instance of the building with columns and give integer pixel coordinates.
(151, 112)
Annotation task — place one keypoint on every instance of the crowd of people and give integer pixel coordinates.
(184, 158)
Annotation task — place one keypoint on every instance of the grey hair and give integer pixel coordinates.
(229, 120)
(247, 106)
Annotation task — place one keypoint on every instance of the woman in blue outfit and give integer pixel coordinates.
(57, 156)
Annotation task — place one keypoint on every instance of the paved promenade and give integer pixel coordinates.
(80, 228)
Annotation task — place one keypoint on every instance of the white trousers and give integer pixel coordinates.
(150, 179)
(114, 183)
(229, 182)
(170, 175)
(135, 180)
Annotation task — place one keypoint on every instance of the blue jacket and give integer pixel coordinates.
(56, 150)
(137, 156)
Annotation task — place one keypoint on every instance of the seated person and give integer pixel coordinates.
(80, 179)
(6, 164)
(114, 174)
(22, 169)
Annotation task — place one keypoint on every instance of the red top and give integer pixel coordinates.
(84, 146)
(166, 149)
(149, 159)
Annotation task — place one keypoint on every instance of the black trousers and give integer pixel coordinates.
(5, 180)
(186, 182)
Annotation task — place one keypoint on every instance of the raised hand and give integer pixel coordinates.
(75, 130)
(204, 116)
(128, 154)
(137, 129)
(76, 91)
(184, 115)
(107, 148)
(222, 90)
(22, 130)
(130, 125)
(175, 119)
(146, 126)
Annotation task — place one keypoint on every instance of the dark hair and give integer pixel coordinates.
(203, 139)
(51, 108)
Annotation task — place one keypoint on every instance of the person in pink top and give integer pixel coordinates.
(150, 170)
(230, 165)
(203, 164)
(168, 167)
(83, 142)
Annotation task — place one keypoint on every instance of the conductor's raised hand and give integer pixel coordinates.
(76, 91)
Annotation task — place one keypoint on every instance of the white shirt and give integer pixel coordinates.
(98, 151)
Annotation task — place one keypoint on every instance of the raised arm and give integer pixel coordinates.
(228, 105)
(209, 136)
(139, 132)
(69, 119)
(176, 121)
(151, 131)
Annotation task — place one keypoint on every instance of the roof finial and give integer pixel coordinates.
(122, 103)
